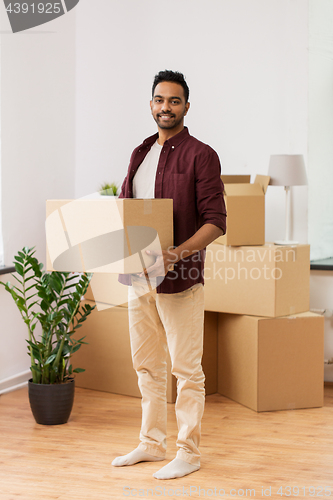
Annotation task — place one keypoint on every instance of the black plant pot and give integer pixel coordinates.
(51, 404)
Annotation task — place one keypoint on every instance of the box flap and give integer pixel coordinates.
(235, 179)
(263, 180)
(243, 190)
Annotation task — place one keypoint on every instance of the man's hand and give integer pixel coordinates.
(164, 262)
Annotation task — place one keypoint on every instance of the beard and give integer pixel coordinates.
(170, 124)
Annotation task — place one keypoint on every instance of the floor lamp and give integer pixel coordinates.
(287, 170)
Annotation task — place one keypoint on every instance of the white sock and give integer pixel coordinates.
(134, 457)
(176, 468)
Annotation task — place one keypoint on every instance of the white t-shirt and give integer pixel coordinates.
(144, 187)
(144, 179)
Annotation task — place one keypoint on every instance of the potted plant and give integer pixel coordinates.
(57, 298)
(109, 189)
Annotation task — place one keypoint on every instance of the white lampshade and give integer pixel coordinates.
(287, 170)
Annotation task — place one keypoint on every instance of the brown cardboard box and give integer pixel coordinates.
(245, 205)
(271, 364)
(268, 280)
(104, 288)
(209, 358)
(107, 359)
(106, 235)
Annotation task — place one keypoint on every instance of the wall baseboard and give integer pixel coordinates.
(15, 382)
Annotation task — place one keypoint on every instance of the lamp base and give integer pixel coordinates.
(285, 242)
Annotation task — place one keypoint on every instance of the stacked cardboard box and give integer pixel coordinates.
(270, 347)
(267, 280)
(271, 363)
(245, 203)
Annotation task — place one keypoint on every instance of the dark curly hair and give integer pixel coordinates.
(171, 76)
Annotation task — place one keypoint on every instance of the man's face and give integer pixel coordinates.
(168, 106)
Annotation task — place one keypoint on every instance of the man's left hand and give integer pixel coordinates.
(164, 262)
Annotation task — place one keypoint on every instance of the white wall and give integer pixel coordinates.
(321, 128)
(245, 62)
(37, 152)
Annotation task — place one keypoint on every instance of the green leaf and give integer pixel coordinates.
(80, 340)
(19, 269)
(27, 250)
(32, 277)
(43, 294)
(50, 359)
(17, 290)
(36, 369)
(21, 282)
(79, 370)
(65, 350)
(20, 300)
(62, 302)
(36, 354)
(28, 269)
(30, 296)
(56, 284)
(31, 286)
(30, 306)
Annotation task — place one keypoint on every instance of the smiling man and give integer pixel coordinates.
(173, 164)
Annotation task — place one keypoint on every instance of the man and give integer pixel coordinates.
(173, 164)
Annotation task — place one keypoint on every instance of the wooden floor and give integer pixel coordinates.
(241, 451)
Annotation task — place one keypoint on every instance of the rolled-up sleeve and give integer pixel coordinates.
(209, 189)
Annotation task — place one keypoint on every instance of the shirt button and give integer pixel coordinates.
(172, 147)
(139, 150)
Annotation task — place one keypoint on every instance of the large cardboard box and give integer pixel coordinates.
(105, 289)
(271, 364)
(245, 204)
(268, 280)
(106, 235)
(107, 359)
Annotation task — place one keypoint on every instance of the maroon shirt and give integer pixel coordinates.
(189, 172)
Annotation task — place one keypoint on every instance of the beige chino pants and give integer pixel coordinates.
(158, 322)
